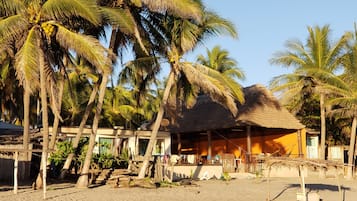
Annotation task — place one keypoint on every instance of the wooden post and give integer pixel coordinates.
(44, 172)
(158, 169)
(16, 163)
(209, 149)
(269, 171)
(299, 143)
(179, 145)
(302, 182)
(249, 146)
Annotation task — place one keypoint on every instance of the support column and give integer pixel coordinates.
(179, 145)
(299, 143)
(16, 164)
(209, 149)
(249, 147)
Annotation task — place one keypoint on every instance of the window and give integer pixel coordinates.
(105, 145)
(143, 144)
(159, 148)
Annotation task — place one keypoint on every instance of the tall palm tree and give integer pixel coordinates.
(344, 88)
(116, 15)
(180, 37)
(83, 179)
(36, 27)
(319, 53)
(87, 112)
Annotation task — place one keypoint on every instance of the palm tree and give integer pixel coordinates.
(317, 54)
(10, 96)
(181, 36)
(83, 179)
(77, 89)
(36, 27)
(78, 99)
(344, 88)
(119, 106)
(116, 15)
(219, 60)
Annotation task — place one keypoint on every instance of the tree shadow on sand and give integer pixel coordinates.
(314, 187)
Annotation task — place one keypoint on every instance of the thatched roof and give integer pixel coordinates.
(260, 109)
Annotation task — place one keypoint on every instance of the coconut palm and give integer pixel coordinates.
(82, 86)
(10, 96)
(319, 53)
(83, 179)
(180, 37)
(77, 89)
(344, 87)
(219, 60)
(36, 27)
(119, 106)
(117, 15)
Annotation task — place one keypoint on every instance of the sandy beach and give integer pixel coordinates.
(239, 189)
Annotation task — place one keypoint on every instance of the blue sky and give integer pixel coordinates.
(265, 26)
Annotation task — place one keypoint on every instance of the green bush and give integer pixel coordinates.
(59, 156)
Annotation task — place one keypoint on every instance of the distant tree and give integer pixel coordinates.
(344, 88)
(319, 54)
(219, 60)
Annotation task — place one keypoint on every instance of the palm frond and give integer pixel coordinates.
(287, 59)
(12, 27)
(123, 19)
(85, 46)
(188, 35)
(120, 18)
(235, 73)
(26, 63)
(336, 50)
(182, 8)
(228, 82)
(8, 8)
(327, 79)
(216, 25)
(210, 86)
(59, 9)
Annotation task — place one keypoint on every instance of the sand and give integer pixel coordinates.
(239, 189)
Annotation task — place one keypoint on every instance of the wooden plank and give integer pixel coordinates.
(24, 150)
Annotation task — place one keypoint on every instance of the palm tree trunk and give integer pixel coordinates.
(323, 126)
(44, 121)
(56, 120)
(26, 119)
(351, 149)
(83, 179)
(3, 117)
(38, 111)
(76, 140)
(156, 125)
(322, 172)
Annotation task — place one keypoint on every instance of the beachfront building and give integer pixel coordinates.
(209, 134)
(117, 139)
